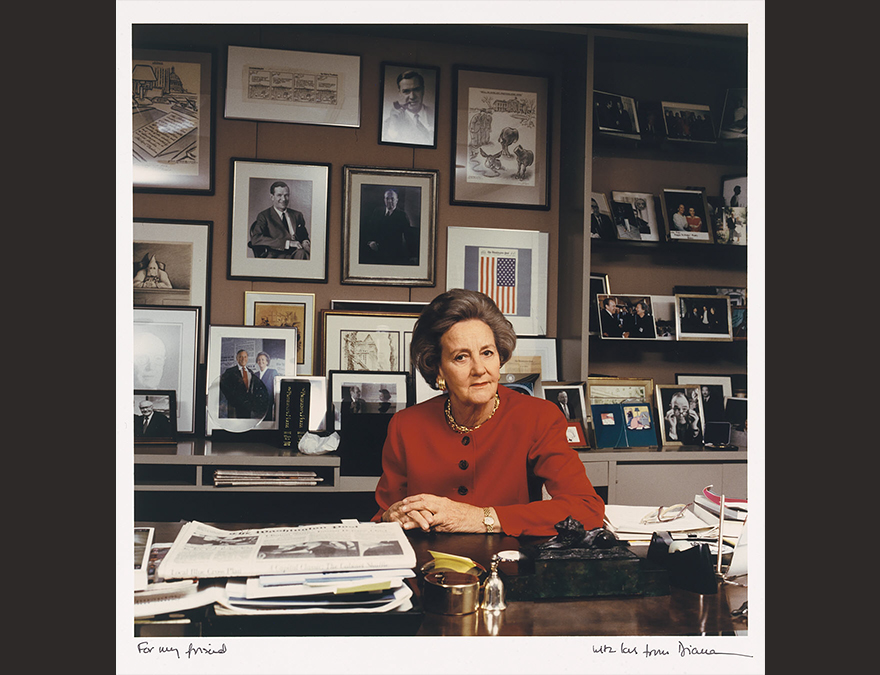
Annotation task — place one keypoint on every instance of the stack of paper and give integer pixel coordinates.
(626, 523)
(248, 477)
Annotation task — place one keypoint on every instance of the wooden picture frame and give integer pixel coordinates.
(687, 216)
(389, 249)
(680, 414)
(172, 107)
(279, 85)
(602, 390)
(268, 308)
(260, 247)
(369, 392)
(630, 317)
(408, 108)
(501, 139)
(703, 318)
(370, 341)
(162, 425)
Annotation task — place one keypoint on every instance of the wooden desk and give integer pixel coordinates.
(681, 613)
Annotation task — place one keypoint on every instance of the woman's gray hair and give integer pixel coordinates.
(446, 310)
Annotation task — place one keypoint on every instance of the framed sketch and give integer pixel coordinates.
(172, 112)
(686, 216)
(354, 392)
(601, 221)
(644, 225)
(602, 390)
(264, 308)
(261, 246)
(501, 132)
(680, 414)
(735, 117)
(714, 389)
(568, 397)
(599, 285)
(574, 434)
(387, 306)
(409, 105)
(688, 122)
(166, 356)
(366, 341)
(703, 318)
(615, 115)
(242, 366)
(510, 266)
(276, 85)
(535, 354)
(389, 228)
(171, 265)
(155, 416)
(626, 317)
(317, 399)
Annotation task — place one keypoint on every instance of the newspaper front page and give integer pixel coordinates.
(202, 551)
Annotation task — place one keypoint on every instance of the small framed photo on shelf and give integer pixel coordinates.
(166, 357)
(703, 318)
(599, 285)
(155, 416)
(535, 354)
(354, 392)
(626, 317)
(601, 221)
(501, 139)
(615, 115)
(664, 316)
(619, 390)
(389, 226)
(688, 122)
(644, 225)
(297, 310)
(568, 397)
(680, 408)
(734, 190)
(575, 434)
(172, 111)
(261, 246)
(277, 85)
(372, 341)
(735, 117)
(243, 365)
(409, 105)
(686, 216)
(714, 389)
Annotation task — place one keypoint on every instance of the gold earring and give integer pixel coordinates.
(441, 383)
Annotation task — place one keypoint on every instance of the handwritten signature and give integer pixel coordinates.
(683, 650)
(146, 648)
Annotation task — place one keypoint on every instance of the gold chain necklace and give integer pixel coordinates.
(466, 430)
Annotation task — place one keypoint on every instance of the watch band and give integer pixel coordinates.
(488, 520)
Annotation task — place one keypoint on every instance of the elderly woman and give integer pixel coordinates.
(474, 459)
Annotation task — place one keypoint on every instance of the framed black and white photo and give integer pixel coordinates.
(714, 389)
(535, 354)
(680, 414)
(166, 356)
(510, 266)
(735, 190)
(501, 139)
(172, 266)
(356, 392)
(686, 216)
(615, 115)
(366, 341)
(242, 366)
(155, 416)
(278, 220)
(278, 85)
(602, 220)
(688, 122)
(703, 318)
(626, 317)
(409, 105)
(172, 112)
(389, 226)
(644, 225)
(735, 117)
(599, 285)
(568, 397)
(267, 308)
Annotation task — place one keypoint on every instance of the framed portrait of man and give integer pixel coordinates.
(409, 105)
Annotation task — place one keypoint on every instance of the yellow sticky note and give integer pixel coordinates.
(456, 563)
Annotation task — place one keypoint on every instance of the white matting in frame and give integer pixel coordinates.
(366, 341)
(510, 266)
(266, 308)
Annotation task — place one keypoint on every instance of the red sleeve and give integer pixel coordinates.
(392, 482)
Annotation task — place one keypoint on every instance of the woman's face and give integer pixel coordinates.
(469, 363)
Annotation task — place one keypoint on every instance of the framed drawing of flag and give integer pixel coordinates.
(510, 266)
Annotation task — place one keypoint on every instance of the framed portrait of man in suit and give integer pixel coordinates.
(409, 105)
(155, 417)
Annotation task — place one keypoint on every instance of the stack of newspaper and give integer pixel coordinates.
(252, 477)
(329, 568)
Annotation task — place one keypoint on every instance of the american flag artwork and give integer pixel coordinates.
(498, 277)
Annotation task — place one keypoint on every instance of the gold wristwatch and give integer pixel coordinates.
(488, 520)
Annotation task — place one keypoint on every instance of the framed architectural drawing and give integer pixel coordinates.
(264, 308)
(366, 341)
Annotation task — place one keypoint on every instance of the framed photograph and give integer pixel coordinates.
(703, 318)
(276, 85)
(651, 125)
(575, 435)
(535, 355)
(714, 389)
(261, 245)
(501, 132)
(664, 316)
(688, 122)
(409, 105)
(599, 285)
(155, 416)
(385, 306)
(243, 364)
(643, 225)
(731, 225)
(602, 221)
(166, 357)
(172, 112)
(568, 397)
(602, 390)
(510, 266)
(735, 117)
(356, 392)
(171, 265)
(737, 294)
(686, 216)
(264, 308)
(680, 414)
(318, 393)
(734, 190)
(389, 228)
(736, 412)
(366, 341)
(616, 115)
(626, 317)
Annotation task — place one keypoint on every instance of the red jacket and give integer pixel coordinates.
(501, 464)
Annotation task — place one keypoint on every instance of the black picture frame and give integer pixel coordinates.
(378, 393)
(399, 88)
(162, 425)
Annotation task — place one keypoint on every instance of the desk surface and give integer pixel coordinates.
(681, 613)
